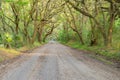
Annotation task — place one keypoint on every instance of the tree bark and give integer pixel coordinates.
(40, 30)
(111, 24)
(75, 27)
(0, 4)
(35, 32)
(94, 38)
(48, 33)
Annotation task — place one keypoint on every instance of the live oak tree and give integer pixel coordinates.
(112, 10)
(43, 15)
(74, 25)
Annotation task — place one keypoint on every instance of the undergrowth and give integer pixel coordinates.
(6, 54)
(107, 53)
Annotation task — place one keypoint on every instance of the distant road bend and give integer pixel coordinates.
(55, 61)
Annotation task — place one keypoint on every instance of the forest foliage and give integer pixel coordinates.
(87, 22)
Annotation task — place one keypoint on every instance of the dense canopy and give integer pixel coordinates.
(89, 22)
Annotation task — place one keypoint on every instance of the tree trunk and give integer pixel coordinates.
(26, 35)
(35, 32)
(110, 30)
(0, 4)
(17, 28)
(75, 27)
(110, 33)
(93, 40)
(40, 35)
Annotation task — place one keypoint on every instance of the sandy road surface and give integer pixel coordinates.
(54, 61)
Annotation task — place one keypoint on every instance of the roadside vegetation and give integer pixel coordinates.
(108, 54)
(6, 54)
(10, 53)
(93, 25)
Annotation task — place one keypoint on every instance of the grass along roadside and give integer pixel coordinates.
(29, 47)
(7, 54)
(101, 53)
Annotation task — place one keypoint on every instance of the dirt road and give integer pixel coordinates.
(54, 61)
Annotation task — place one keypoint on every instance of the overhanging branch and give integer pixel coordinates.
(80, 10)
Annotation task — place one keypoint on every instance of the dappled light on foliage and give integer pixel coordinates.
(87, 22)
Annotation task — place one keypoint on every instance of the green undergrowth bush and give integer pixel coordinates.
(6, 54)
(30, 46)
(107, 53)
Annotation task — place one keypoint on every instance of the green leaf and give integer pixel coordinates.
(9, 0)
